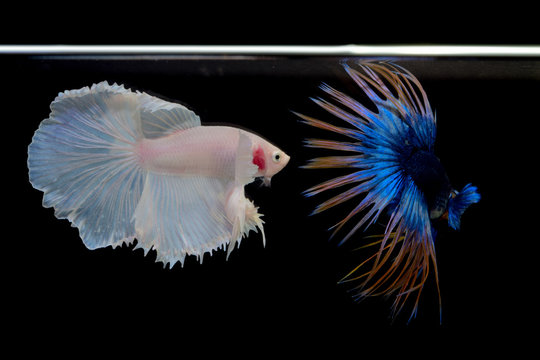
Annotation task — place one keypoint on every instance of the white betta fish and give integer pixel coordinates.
(122, 165)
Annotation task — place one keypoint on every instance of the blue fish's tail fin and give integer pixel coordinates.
(459, 203)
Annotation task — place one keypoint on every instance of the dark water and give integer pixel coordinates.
(487, 112)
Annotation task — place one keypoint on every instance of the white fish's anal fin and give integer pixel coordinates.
(253, 220)
(235, 203)
(179, 216)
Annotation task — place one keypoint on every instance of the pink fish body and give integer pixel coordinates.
(122, 165)
(208, 151)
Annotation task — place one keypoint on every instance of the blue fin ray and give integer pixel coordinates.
(459, 203)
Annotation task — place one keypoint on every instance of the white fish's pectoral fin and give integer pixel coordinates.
(254, 221)
(245, 169)
(179, 216)
(243, 215)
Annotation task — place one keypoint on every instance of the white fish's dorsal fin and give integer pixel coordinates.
(160, 118)
(245, 169)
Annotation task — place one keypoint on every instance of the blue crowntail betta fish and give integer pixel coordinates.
(395, 169)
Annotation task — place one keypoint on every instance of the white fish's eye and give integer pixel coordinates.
(276, 156)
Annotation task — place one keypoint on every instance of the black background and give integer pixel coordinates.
(287, 292)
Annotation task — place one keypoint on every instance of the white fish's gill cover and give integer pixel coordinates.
(82, 157)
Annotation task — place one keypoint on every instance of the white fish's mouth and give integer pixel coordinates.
(286, 159)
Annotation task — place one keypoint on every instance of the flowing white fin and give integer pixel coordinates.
(243, 215)
(179, 216)
(82, 157)
(160, 118)
(245, 169)
(192, 215)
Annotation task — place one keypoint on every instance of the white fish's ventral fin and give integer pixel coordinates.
(243, 215)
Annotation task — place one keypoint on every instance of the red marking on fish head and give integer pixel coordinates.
(258, 158)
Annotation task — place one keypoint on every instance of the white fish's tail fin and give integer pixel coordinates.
(83, 158)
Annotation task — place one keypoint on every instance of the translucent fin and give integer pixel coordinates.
(243, 214)
(179, 216)
(160, 118)
(380, 140)
(82, 158)
(241, 211)
(192, 216)
(245, 169)
(253, 221)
